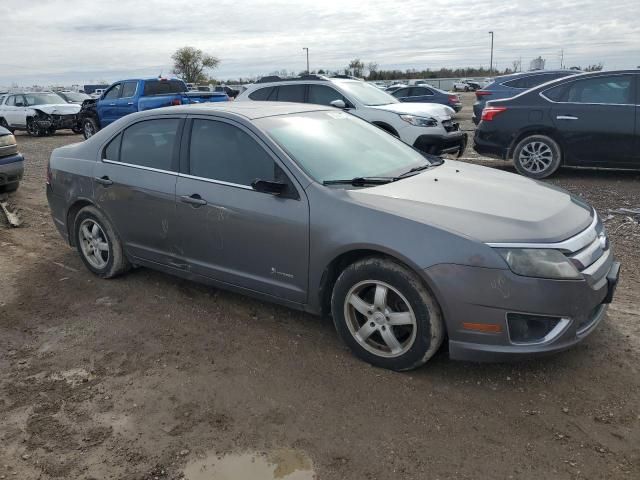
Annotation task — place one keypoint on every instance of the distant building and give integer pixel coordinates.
(537, 64)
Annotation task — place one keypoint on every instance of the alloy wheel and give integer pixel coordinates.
(380, 318)
(88, 130)
(94, 244)
(536, 157)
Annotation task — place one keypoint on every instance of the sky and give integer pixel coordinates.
(64, 42)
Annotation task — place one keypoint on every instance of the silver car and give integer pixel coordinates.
(318, 210)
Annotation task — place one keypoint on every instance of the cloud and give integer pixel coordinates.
(70, 41)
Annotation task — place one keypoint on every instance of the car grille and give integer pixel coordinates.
(591, 254)
(451, 126)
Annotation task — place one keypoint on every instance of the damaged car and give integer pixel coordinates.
(39, 113)
(11, 162)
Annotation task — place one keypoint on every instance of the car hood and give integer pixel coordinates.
(441, 112)
(482, 203)
(58, 109)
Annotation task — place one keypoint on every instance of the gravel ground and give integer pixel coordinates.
(144, 376)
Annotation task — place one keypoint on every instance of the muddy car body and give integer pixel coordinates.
(318, 210)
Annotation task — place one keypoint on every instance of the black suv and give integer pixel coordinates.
(588, 120)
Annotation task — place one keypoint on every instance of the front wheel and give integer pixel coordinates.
(98, 244)
(385, 314)
(89, 128)
(537, 156)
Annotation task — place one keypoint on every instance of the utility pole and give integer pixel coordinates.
(562, 59)
(307, 49)
(491, 64)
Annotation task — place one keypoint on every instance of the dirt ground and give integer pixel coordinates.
(141, 376)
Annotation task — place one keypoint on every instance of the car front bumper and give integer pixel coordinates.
(452, 142)
(472, 296)
(11, 169)
(58, 121)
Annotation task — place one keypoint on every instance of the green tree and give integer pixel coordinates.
(189, 63)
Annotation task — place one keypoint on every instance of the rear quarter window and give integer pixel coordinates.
(261, 94)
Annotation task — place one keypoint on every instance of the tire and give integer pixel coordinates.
(466, 89)
(406, 312)
(89, 127)
(4, 124)
(9, 187)
(537, 156)
(32, 129)
(108, 259)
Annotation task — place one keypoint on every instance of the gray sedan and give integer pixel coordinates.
(315, 209)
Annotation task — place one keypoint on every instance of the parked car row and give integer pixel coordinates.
(429, 127)
(586, 120)
(307, 205)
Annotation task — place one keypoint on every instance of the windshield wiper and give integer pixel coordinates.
(361, 181)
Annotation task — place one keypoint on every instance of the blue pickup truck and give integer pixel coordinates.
(130, 96)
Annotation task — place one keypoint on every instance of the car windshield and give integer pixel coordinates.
(367, 94)
(336, 145)
(42, 98)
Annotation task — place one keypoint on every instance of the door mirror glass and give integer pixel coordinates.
(268, 186)
(339, 104)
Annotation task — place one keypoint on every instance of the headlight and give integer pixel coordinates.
(7, 140)
(539, 263)
(420, 121)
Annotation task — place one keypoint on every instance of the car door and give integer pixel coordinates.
(402, 94)
(15, 111)
(420, 94)
(231, 232)
(595, 118)
(126, 103)
(134, 184)
(107, 105)
(324, 95)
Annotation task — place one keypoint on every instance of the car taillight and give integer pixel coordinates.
(482, 93)
(176, 101)
(489, 113)
(454, 98)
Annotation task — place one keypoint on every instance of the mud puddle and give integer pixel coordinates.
(277, 465)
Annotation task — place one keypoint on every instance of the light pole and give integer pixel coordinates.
(491, 64)
(305, 48)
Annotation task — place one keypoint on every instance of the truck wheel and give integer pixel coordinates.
(33, 129)
(537, 156)
(386, 315)
(89, 128)
(4, 124)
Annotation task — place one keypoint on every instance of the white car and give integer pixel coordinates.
(429, 127)
(39, 113)
(466, 85)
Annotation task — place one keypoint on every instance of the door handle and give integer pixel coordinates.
(195, 200)
(566, 117)
(112, 104)
(106, 181)
(130, 103)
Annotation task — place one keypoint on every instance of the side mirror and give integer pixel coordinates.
(339, 104)
(267, 186)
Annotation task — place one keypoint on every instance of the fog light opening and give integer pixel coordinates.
(531, 329)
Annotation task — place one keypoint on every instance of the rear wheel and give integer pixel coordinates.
(537, 156)
(98, 244)
(386, 315)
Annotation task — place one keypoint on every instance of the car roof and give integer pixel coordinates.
(319, 81)
(249, 110)
(513, 76)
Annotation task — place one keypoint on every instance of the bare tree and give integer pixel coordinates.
(189, 63)
(373, 68)
(356, 67)
(517, 65)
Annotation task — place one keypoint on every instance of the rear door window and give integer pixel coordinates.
(129, 89)
(151, 143)
(401, 92)
(163, 87)
(420, 91)
(606, 90)
(291, 93)
(224, 152)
